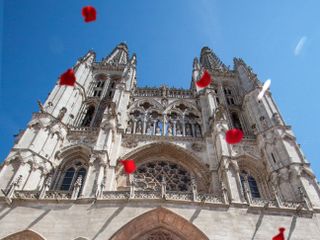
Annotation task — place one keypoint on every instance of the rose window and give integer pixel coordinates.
(150, 176)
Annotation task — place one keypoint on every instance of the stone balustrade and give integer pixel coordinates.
(184, 197)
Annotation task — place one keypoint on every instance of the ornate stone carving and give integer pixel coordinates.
(130, 142)
(153, 175)
(245, 148)
(197, 147)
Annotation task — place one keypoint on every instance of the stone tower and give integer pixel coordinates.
(63, 178)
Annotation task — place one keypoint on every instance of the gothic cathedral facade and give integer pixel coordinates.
(63, 178)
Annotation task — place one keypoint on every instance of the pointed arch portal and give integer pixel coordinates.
(24, 235)
(159, 224)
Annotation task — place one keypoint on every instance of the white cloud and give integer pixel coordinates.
(300, 45)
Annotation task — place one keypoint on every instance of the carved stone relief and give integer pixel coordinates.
(197, 147)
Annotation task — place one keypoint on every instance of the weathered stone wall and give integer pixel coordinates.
(67, 221)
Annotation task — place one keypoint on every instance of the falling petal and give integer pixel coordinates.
(234, 136)
(280, 236)
(129, 165)
(265, 87)
(205, 80)
(89, 13)
(68, 78)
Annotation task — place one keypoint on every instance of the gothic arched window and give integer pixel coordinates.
(247, 181)
(70, 174)
(88, 117)
(236, 121)
(67, 179)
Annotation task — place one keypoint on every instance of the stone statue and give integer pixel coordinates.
(158, 130)
(219, 113)
(188, 130)
(149, 128)
(129, 128)
(62, 112)
(139, 127)
(40, 106)
(169, 129)
(178, 129)
(276, 118)
(198, 131)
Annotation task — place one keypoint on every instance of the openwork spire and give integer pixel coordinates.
(119, 55)
(210, 61)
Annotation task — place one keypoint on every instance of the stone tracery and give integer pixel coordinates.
(149, 176)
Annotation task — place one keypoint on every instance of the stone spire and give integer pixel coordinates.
(120, 55)
(210, 61)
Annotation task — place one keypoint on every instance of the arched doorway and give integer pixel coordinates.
(159, 234)
(159, 224)
(24, 235)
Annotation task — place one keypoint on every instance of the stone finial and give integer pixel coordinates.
(41, 108)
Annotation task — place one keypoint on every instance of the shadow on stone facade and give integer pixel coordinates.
(106, 224)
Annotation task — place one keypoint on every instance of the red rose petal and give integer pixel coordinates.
(89, 13)
(129, 165)
(234, 136)
(280, 236)
(205, 80)
(68, 78)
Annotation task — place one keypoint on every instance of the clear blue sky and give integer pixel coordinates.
(279, 39)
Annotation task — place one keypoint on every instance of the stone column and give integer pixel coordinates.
(134, 126)
(164, 125)
(183, 126)
(163, 187)
(193, 129)
(194, 189)
(231, 175)
(76, 189)
(154, 127)
(45, 187)
(174, 132)
(100, 180)
(224, 193)
(85, 183)
(132, 187)
(144, 126)
(247, 193)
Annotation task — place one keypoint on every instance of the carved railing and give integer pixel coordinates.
(143, 137)
(61, 195)
(147, 195)
(85, 135)
(157, 195)
(259, 202)
(272, 203)
(179, 196)
(84, 129)
(292, 204)
(26, 194)
(159, 92)
(115, 195)
(209, 198)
